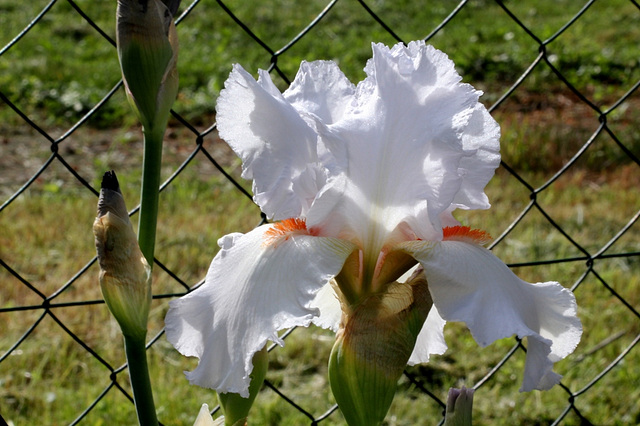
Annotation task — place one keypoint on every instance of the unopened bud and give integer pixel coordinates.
(459, 407)
(147, 45)
(204, 418)
(125, 275)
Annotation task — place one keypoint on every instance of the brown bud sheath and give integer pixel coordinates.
(125, 276)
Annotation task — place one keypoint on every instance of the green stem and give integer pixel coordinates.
(151, 165)
(140, 382)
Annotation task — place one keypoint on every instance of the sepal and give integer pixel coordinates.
(373, 346)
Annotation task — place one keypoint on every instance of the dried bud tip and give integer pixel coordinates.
(111, 199)
(172, 5)
(110, 181)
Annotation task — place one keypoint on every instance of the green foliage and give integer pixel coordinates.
(63, 67)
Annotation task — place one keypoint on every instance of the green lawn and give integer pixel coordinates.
(62, 67)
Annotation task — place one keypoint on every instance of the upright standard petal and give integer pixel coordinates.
(275, 144)
(482, 137)
(411, 140)
(259, 283)
(321, 89)
(469, 284)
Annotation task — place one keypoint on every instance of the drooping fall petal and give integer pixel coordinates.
(234, 406)
(328, 303)
(469, 284)
(258, 284)
(430, 341)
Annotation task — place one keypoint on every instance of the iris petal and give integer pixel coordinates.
(481, 135)
(413, 141)
(365, 167)
(327, 302)
(253, 289)
(275, 144)
(430, 340)
(471, 285)
(320, 88)
(406, 145)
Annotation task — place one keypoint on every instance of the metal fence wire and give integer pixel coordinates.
(546, 90)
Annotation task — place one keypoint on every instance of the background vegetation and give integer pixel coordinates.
(60, 69)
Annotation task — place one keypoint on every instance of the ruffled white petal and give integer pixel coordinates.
(482, 135)
(430, 339)
(321, 89)
(470, 284)
(408, 144)
(253, 289)
(327, 302)
(275, 144)
(413, 141)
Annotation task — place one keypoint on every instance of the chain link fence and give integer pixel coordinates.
(538, 86)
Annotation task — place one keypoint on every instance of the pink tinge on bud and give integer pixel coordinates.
(459, 407)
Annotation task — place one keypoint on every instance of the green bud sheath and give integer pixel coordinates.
(148, 51)
(372, 349)
(236, 408)
(125, 276)
(459, 407)
(147, 45)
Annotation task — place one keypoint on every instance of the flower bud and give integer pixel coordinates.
(459, 407)
(204, 418)
(125, 275)
(147, 45)
(236, 408)
(373, 346)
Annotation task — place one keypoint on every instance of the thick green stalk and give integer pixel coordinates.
(151, 166)
(140, 382)
(147, 46)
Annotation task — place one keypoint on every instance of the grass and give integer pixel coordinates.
(59, 70)
(53, 376)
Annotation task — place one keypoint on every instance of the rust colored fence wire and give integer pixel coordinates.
(592, 263)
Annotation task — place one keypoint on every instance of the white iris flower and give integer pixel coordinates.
(362, 181)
